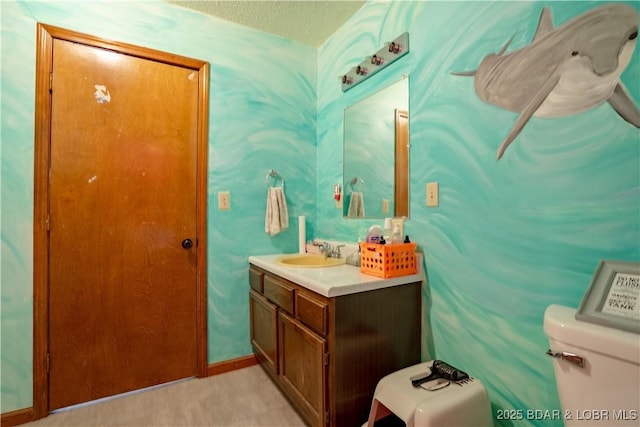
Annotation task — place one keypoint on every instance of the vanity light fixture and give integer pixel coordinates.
(384, 57)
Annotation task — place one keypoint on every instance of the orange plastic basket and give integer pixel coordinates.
(388, 260)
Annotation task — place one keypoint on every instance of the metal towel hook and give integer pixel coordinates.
(273, 174)
(354, 181)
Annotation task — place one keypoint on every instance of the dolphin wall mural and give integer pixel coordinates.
(565, 70)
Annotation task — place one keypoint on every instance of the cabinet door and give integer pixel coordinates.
(264, 331)
(303, 368)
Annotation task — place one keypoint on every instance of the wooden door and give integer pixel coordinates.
(303, 368)
(122, 188)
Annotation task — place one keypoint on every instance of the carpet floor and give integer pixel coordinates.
(242, 398)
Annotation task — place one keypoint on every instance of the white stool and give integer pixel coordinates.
(455, 405)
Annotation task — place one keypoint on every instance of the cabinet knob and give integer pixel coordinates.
(187, 243)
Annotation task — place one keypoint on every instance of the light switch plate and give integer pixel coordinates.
(432, 194)
(385, 206)
(224, 200)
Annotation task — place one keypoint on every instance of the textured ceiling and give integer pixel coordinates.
(309, 22)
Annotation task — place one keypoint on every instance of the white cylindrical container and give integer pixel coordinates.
(302, 235)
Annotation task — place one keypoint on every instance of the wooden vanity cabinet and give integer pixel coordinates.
(328, 354)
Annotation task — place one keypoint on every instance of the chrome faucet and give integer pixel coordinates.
(330, 251)
(325, 248)
(335, 252)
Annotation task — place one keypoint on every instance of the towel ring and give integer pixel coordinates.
(355, 181)
(275, 176)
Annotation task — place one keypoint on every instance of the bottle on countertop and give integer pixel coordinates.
(397, 237)
(388, 229)
(375, 234)
(406, 239)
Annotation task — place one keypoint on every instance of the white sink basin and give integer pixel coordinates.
(309, 261)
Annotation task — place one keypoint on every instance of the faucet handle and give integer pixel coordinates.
(337, 252)
(325, 248)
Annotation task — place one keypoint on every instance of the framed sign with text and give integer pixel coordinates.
(613, 297)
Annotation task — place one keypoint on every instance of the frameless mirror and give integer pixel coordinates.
(376, 154)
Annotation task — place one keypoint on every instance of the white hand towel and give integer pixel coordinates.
(277, 217)
(356, 205)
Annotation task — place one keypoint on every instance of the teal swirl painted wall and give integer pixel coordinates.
(509, 238)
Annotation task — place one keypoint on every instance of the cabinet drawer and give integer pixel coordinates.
(312, 312)
(256, 278)
(279, 292)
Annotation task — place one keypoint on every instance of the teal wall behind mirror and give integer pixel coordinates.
(369, 153)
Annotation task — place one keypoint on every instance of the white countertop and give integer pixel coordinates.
(333, 281)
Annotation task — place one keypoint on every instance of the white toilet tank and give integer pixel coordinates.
(606, 390)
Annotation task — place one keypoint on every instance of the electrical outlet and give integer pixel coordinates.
(385, 206)
(224, 200)
(400, 223)
(432, 194)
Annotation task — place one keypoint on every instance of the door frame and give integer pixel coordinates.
(401, 167)
(42, 163)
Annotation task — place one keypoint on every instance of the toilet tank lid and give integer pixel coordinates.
(560, 324)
